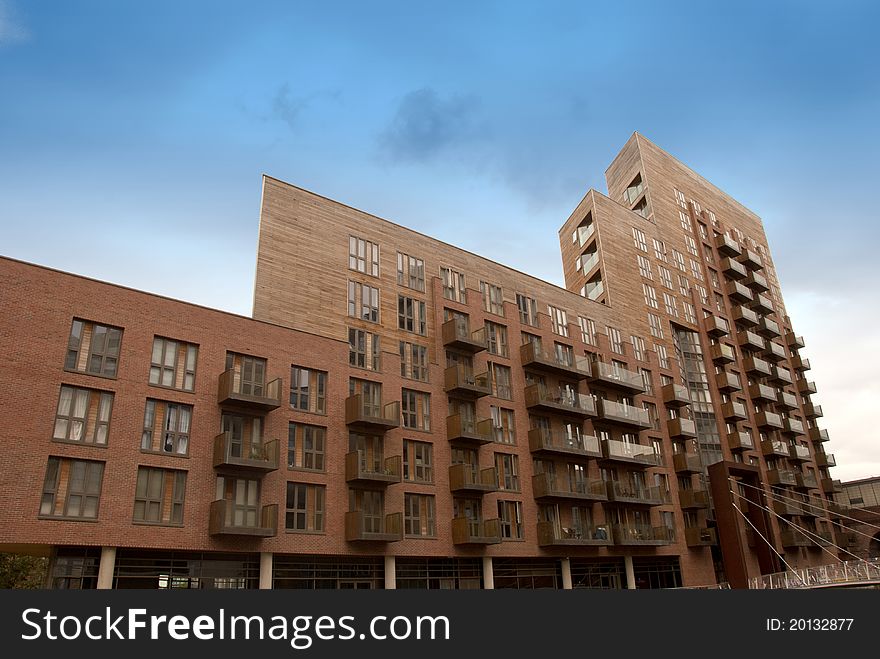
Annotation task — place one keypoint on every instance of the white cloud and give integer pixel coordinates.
(11, 29)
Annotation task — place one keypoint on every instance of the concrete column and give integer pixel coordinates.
(488, 574)
(266, 566)
(390, 573)
(630, 572)
(566, 574)
(106, 568)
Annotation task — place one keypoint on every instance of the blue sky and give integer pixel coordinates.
(133, 137)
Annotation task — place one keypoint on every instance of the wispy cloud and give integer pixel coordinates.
(12, 31)
(287, 107)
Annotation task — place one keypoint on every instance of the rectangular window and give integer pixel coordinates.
(249, 373)
(655, 325)
(504, 428)
(685, 220)
(665, 277)
(493, 299)
(363, 256)
(453, 285)
(680, 199)
(72, 488)
(305, 446)
(704, 294)
(496, 339)
(647, 381)
(644, 266)
(159, 496)
(615, 338)
(670, 304)
(416, 409)
(507, 466)
(638, 347)
(173, 364)
(418, 461)
(690, 314)
(678, 257)
(363, 349)
(82, 415)
(696, 270)
(684, 286)
(308, 389)
(558, 320)
(659, 250)
(588, 330)
(413, 361)
(510, 514)
(639, 240)
(662, 355)
(528, 310)
(418, 515)
(304, 508)
(691, 245)
(500, 376)
(363, 301)
(650, 296)
(410, 272)
(166, 427)
(411, 316)
(93, 348)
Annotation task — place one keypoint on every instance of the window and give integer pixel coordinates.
(650, 296)
(696, 270)
(528, 310)
(647, 381)
(697, 206)
(453, 285)
(713, 276)
(670, 304)
(363, 301)
(503, 427)
(665, 277)
(304, 508)
(159, 495)
(413, 361)
(416, 407)
(615, 338)
(363, 256)
(659, 250)
(242, 497)
(633, 190)
(308, 389)
(500, 376)
(680, 199)
(173, 364)
(638, 347)
(644, 266)
(305, 446)
(510, 514)
(78, 407)
(655, 325)
(662, 355)
(496, 339)
(558, 321)
(684, 286)
(639, 240)
(704, 294)
(411, 315)
(719, 302)
(166, 427)
(690, 314)
(410, 272)
(685, 221)
(418, 461)
(363, 349)
(249, 374)
(418, 515)
(507, 466)
(493, 300)
(691, 245)
(588, 330)
(678, 257)
(93, 348)
(72, 488)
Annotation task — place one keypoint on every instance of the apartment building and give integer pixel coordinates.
(403, 413)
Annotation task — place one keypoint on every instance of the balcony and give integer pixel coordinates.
(818, 435)
(722, 353)
(807, 481)
(831, 485)
(787, 508)
(812, 506)
(559, 400)
(617, 377)
(679, 427)
(717, 326)
(466, 478)
(824, 537)
(782, 477)
(624, 415)
(812, 411)
(727, 381)
(748, 340)
(798, 453)
(751, 260)
(825, 459)
(700, 536)
(775, 352)
(456, 334)
(800, 363)
(734, 411)
(227, 519)
(550, 486)
(761, 392)
(757, 367)
(551, 441)
(769, 328)
(256, 458)
(360, 470)
(687, 463)
(692, 499)
(775, 448)
(620, 492)
(787, 401)
(806, 387)
(745, 317)
(641, 534)
(794, 538)
(757, 282)
(587, 261)
(461, 382)
(837, 509)
(466, 531)
(232, 390)
(642, 454)
(360, 413)
(793, 426)
(769, 420)
(373, 528)
(534, 357)
(763, 305)
(794, 341)
(740, 441)
(726, 245)
(551, 535)
(733, 269)
(675, 395)
(781, 375)
(738, 292)
(472, 432)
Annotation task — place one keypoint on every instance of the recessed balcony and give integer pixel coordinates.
(470, 479)
(621, 492)
(812, 411)
(628, 452)
(457, 334)
(361, 413)
(775, 448)
(560, 401)
(717, 326)
(467, 531)
(726, 245)
(745, 317)
(360, 527)
(693, 499)
(733, 269)
(534, 357)
(757, 367)
(463, 430)
(617, 377)
(782, 477)
(233, 390)
(757, 282)
(799, 453)
(552, 535)
(563, 443)
(700, 536)
(687, 463)
(225, 518)
(623, 415)
(551, 486)
(787, 508)
(642, 535)
(751, 260)
(681, 428)
(740, 441)
(722, 353)
(794, 538)
(363, 471)
(769, 420)
(461, 382)
(738, 292)
(234, 455)
(807, 481)
(762, 392)
(734, 411)
(794, 342)
(727, 381)
(675, 395)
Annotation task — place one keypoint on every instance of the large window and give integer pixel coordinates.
(308, 389)
(304, 508)
(493, 299)
(411, 315)
(410, 272)
(416, 408)
(588, 330)
(655, 325)
(173, 364)
(639, 240)
(93, 348)
(413, 361)
(453, 285)
(363, 256)
(363, 301)
(500, 376)
(83, 415)
(644, 266)
(510, 514)
(496, 339)
(558, 320)
(159, 496)
(249, 373)
(363, 349)
(418, 461)
(166, 427)
(528, 310)
(418, 515)
(650, 296)
(72, 488)
(507, 466)
(503, 425)
(305, 446)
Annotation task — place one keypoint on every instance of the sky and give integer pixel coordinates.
(133, 137)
